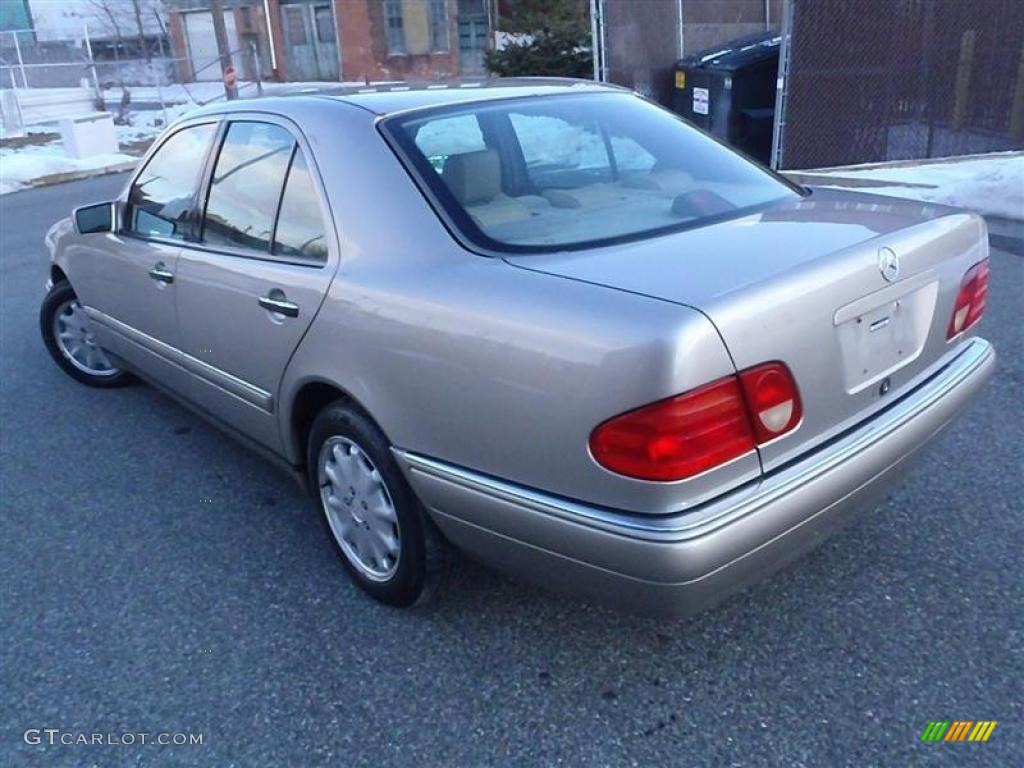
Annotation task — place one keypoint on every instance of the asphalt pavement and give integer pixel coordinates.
(130, 605)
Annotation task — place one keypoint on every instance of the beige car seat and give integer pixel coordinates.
(475, 180)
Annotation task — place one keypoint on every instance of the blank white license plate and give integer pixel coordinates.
(880, 338)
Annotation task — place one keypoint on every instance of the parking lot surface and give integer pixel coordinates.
(131, 605)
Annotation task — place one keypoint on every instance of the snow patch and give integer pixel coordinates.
(20, 168)
(992, 185)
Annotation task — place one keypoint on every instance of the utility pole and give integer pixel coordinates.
(223, 49)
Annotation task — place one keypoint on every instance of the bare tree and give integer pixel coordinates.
(113, 13)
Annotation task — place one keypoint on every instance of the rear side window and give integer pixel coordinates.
(162, 195)
(300, 226)
(246, 186)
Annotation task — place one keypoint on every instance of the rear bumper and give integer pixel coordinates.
(675, 565)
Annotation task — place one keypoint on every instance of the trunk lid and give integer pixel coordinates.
(803, 283)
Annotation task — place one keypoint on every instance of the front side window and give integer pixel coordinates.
(161, 197)
(246, 186)
(577, 170)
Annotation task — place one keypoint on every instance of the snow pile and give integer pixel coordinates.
(991, 184)
(21, 167)
(149, 123)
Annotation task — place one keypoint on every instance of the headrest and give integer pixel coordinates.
(473, 177)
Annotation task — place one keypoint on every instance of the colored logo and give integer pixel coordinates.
(958, 730)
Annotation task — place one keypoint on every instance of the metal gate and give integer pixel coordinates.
(311, 41)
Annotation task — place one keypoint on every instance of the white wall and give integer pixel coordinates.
(66, 19)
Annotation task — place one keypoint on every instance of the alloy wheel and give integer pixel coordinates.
(76, 341)
(359, 508)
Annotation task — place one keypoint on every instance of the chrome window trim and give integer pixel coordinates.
(700, 521)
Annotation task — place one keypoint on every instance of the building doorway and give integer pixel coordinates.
(473, 32)
(311, 41)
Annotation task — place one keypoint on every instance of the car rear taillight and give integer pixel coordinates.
(773, 400)
(970, 301)
(701, 429)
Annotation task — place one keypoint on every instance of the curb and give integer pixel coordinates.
(65, 176)
(60, 178)
(823, 179)
(908, 163)
(834, 177)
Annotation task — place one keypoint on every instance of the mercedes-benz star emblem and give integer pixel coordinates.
(889, 264)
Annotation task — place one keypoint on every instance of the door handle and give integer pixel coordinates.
(161, 273)
(281, 306)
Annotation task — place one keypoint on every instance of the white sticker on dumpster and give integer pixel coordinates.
(700, 101)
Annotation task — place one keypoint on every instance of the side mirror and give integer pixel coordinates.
(99, 217)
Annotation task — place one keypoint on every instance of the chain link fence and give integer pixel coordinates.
(867, 81)
(26, 62)
(43, 81)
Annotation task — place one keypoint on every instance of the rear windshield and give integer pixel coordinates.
(564, 172)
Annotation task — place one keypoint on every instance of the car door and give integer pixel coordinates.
(130, 290)
(248, 289)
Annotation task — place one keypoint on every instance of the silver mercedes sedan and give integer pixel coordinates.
(547, 324)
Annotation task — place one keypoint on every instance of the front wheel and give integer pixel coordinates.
(387, 543)
(68, 335)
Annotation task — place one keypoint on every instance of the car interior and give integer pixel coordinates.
(531, 177)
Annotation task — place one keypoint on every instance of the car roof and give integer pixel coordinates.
(389, 98)
(399, 97)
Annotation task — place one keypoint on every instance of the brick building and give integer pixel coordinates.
(348, 40)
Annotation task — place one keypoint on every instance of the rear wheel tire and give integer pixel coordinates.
(379, 529)
(68, 335)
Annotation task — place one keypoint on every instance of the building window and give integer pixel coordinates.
(438, 26)
(395, 26)
(295, 25)
(416, 26)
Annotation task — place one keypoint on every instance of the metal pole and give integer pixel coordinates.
(92, 68)
(160, 69)
(160, 92)
(257, 66)
(21, 62)
(220, 31)
(337, 36)
(781, 86)
(681, 42)
(270, 35)
(604, 42)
